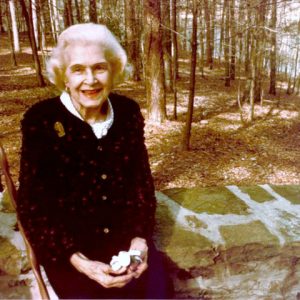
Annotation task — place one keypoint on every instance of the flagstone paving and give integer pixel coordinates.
(219, 243)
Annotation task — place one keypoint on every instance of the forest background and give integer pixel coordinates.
(218, 81)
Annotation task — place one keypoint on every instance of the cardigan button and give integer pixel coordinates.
(104, 197)
(106, 230)
(104, 176)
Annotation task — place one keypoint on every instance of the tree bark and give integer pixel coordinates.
(272, 89)
(68, 15)
(93, 11)
(10, 37)
(232, 39)
(227, 43)
(189, 119)
(167, 43)
(27, 15)
(35, 9)
(132, 39)
(154, 67)
(201, 37)
(209, 53)
(13, 22)
(174, 54)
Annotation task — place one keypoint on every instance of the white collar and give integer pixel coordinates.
(100, 128)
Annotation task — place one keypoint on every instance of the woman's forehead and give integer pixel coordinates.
(84, 55)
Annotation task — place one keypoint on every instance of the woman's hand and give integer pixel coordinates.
(141, 245)
(100, 272)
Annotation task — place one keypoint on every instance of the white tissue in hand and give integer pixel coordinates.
(124, 258)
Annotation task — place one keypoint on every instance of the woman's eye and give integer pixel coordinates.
(100, 68)
(77, 69)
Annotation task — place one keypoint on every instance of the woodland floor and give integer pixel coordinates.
(223, 151)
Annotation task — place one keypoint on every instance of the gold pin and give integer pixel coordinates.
(59, 129)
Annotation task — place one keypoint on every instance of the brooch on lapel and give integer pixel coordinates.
(59, 128)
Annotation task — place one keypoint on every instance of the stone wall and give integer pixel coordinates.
(219, 243)
(232, 242)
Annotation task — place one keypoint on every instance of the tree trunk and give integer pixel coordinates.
(174, 38)
(248, 38)
(201, 37)
(78, 12)
(226, 43)
(167, 44)
(1, 20)
(13, 22)
(259, 43)
(132, 39)
(222, 26)
(35, 9)
(209, 53)
(189, 119)
(93, 11)
(68, 15)
(232, 39)
(10, 37)
(174, 55)
(272, 89)
(27, 15)
(154, 67)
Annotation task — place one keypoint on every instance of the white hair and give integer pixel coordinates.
(84, 34)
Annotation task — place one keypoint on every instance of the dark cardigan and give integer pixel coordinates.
(80, 193)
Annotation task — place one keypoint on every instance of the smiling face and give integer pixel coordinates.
(88, 76)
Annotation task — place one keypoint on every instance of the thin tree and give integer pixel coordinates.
(188, 125)
(9, 31)
(13, 21)
(209, 42)
(227, 43)
(232, 39)
(68, 14)
(154, 66)
(93, 11)
(174, 54)
(27, 15)
(167, 43)
(201, 37)
(132, 39)
(272, 89)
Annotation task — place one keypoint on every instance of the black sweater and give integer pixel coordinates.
(80, 193)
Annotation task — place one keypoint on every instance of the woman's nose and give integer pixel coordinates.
(90, 77)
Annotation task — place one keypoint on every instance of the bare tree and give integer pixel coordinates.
(189, 119)
(167, 43)
(132, 39)
(13, 22)
(68, 13)
(28, 18)
(272, 89)
(209, 42)
(9, 31)
(154, 67)
(93, 11)
(227, 43)
(232, 39)
(174, 53)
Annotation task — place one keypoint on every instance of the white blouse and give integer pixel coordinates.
(99, 128)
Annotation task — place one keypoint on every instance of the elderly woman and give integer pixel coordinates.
(86, 190)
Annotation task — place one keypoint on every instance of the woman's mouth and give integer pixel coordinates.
(91, 93)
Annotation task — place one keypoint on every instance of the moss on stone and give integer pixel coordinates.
(257, 193)
(243, 234)
(214, 200)
(290, 192)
